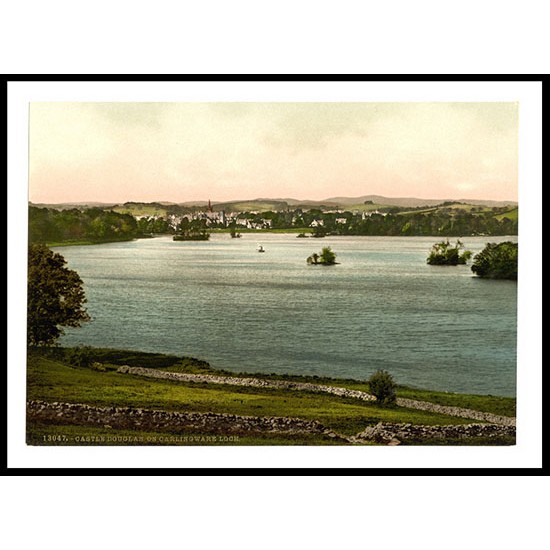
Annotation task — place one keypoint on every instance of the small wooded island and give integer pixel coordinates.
(327, 257)
(495, 261)
(192, 235)
(234, 234)
(444, 253)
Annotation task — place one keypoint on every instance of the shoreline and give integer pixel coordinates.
(272, 232)
(174, 364)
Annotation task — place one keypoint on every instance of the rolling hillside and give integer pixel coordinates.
(361, 203)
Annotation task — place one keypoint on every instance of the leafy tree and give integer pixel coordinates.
(443, 253)
(55, 297)
(313, 259)
(497, 261)
(233, 231)
(151, 225)
(183, 225)
(81, 356)
(328, 257)
(382, 386)
(318, 231)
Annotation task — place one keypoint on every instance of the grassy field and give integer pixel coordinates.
(140, 210)
(444, 209)
(360, 207)
(511, 214)
(51, 378)
(251, 206)
(505, 406)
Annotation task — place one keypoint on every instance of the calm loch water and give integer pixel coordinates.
(382, 307)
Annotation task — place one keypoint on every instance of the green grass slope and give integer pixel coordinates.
(51, 378)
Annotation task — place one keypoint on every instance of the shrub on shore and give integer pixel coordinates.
(383, 386)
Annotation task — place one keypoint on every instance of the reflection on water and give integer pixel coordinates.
(382, 307)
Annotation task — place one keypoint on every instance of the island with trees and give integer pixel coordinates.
(194, 230)
(326, 257)
(234, 233)
(444, 253)
(192, 235)
(497, 261)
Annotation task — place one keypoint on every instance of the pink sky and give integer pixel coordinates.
(117, 152)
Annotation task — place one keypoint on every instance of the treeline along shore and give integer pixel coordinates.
(90, 225)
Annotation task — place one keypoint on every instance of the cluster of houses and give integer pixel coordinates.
(364, 216)
(220, 218)
(224, 219)
(370, 213)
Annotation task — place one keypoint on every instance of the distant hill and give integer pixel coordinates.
(256, 204)
(194, 203)
(364, 202)
(304, 203)
(69, 205)
(412, 202)
(379, 200)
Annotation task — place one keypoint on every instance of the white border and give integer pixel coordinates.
(528, 451)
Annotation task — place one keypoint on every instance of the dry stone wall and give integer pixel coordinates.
(153, 420)
(306, 386)
(244, 381)
(396, 433)
(457, 411)
(137, 419)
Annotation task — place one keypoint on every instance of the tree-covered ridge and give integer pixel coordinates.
(451, 222)
(96, 224)
(451, 219)
(497, 261)
(47, 225)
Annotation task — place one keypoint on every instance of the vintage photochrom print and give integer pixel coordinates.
(242, 273)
